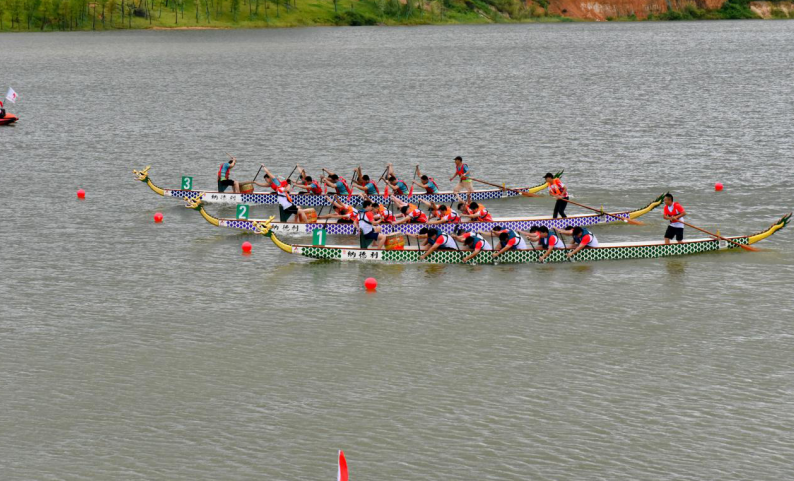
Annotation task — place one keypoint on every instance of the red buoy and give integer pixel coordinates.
(247, 247)
(371, 284)
(81, 194)
(158, 217)
(718, 186)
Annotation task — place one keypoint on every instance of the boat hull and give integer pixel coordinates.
(8, 119)
(637, 250)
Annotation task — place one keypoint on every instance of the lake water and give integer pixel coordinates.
(131, 350)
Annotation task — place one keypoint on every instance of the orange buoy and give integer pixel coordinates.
(371, 284)
(247, 247)
(81, 194)
(158, 217)
(718, 186)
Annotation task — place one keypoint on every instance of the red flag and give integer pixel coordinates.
(341, 474)
(386, 192)
(411, 192)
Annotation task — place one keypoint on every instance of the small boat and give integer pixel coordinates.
(264, 198)
(8, 119)
(332, 227)
(606, 251)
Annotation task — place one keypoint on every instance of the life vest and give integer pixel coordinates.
(555, 187)
(511, 235)
(449, 242)
(462, 171)
(417, 215)
(400, 188)
(348, 211)
(344, 183)
(484, 216)
(432, 187)
(593, 241)
(374, 186)
(315, 188)
(364, 223)
(558, 243)
(485, 245)
(222, 172)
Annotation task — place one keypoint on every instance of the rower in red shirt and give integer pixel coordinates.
(410, 212)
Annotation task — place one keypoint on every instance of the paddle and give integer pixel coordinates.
(293, 171)
(257, 172)
(745, 247)
(601, 211)
(411, 192)
(525, 194)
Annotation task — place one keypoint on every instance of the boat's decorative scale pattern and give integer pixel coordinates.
(334, 228)
(604, 252)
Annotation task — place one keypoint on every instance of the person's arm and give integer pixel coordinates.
(502, 250)
(428, 251)
(400, 204)
(581, 246)
(260, 184)
(568, 232)
(328, 172)
(432, 205)
(679, 215)
(390, 170)
(268, 172)
(471, 256)
(547, 253)
(358, 186)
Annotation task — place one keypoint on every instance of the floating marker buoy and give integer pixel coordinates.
(247, 247)
(81, 194)
(718, 186)
(371, 284)
(158, 217)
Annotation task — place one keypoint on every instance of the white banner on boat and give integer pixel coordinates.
(361, 255)
(222, 198)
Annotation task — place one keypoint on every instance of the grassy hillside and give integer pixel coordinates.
(48, 15)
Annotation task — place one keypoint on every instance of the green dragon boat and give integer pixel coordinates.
(606, 251)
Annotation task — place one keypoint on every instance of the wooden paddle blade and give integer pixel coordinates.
(529, 194)
(635, 222)
(748, 248)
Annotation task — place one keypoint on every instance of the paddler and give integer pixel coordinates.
(508, 240)
(437, 240)
(475, 243)
(365, 184)
(398, 187)
(410, 213)
(344, 212)
(338, 183)
(673, 212)
(441, 214)
(559, 191)
(273, 182)
(3, 112)
(224, 179)
(308, 184)
(476, 213)
(548, 241)
(581, 238)
(462, 173)
(369, 227)
(382, 214)
(426, 183)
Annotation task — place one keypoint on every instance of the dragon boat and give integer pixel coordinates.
(336, 228)
(312, 200)
(606, 251)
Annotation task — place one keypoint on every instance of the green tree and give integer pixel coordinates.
(234, 6)
(2, 12)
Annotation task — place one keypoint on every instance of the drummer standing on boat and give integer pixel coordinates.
(559, 191)
(462, 173)
(673, 212)
(224, 179)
